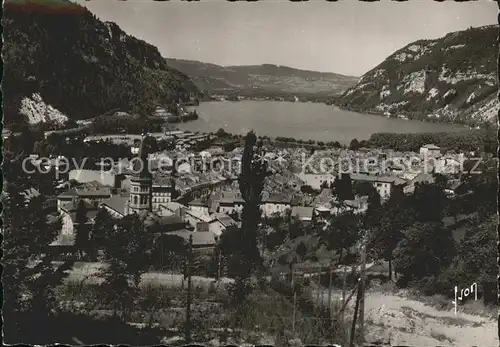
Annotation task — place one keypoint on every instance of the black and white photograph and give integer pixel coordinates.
(250, 173)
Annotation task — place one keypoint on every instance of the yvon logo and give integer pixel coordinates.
(463, 294)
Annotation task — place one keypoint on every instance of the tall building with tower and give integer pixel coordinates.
(141, 182)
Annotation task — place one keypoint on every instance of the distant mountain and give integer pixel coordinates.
(59, 54)
(451, 79)
(265, 78)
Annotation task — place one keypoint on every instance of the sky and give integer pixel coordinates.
(347, 37)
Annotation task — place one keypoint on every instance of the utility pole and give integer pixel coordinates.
(294, 297)
(344, 280)
(330, 292)
(188, 301)
(318, 283)
(218, 266)
(362, 288)
(342, 315)
(353, 327)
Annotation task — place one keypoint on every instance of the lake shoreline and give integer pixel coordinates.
(301, 121)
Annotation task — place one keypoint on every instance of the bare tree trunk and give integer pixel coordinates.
(390, 270)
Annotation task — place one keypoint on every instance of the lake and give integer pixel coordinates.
(299, 120)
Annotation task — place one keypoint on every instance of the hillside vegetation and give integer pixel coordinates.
(60, 52)
(451, 79)
(262, 78)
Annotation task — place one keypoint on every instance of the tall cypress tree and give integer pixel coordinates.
(251, 183)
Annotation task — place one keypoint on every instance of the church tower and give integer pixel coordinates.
(141, 182)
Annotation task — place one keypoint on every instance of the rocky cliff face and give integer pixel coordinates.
(451, 79)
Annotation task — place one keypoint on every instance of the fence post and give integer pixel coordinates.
(188, 301)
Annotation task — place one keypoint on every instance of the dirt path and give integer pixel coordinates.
(396, 320)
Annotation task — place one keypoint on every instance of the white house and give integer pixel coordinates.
(430, 151)
(194, 217)
(199, 206)
(449, 165)
(421, 178)
(117, 206)
(303, 213)
(383, 184)
(172, 208)
(275, 204)
(103, 177)
(219, 223)
(230, 202)
(316, 180)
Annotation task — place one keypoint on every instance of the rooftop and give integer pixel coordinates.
(276, 199)
(173, 206)
(373, 178)
(430, 146)
(117, 203)
(153, 219)
(225, 220)
(90, 189)
(302, 211)
(198, 215)
(230, 197)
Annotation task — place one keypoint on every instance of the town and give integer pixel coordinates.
(185, 190)
(201, 187)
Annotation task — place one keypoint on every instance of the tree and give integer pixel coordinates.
(324, 185)
(476, 258)
(101, 235)
(251, 183)
(228, 248)
(429, 202)
(343, 232)
(385, 229)
(374, 202)
(220, 133)
(295, 227)
(71, 123)
(127, 257)
(363, 188)
(424, 250)
(170, 251)
(306, 189)
(354, 145)
(343, 187)
(301, 249)
(81, 227)
(29, 276)
(229, 146)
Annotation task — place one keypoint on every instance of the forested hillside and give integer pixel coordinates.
(79, 65)
(265, 79)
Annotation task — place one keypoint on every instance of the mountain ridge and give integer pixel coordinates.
(62, 53)
(449, 79)
(272, 78)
